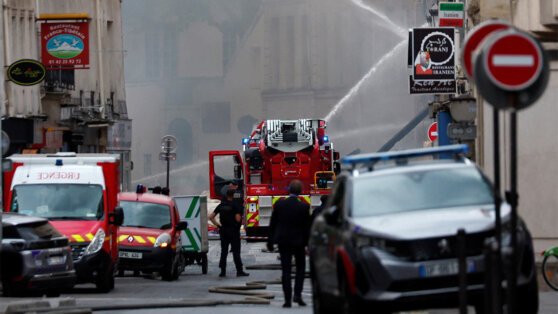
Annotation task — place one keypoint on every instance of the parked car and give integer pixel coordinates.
(387, 238)
(35, 257)
(149, 238)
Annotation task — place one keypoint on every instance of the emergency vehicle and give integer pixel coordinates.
(78, 194)
(149, 238)
(277, 152)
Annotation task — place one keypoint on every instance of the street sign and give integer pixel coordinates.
(473, 40)
(451, 14)
(433, 131)
(462, 131)
(168, 144)
(511, 70)
(513, 61)
(167, 156)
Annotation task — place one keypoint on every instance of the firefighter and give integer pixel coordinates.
(230, 217)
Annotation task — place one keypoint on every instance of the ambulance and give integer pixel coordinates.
(78, 194)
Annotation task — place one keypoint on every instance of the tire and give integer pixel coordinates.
(53, 293)
(8, 288)
(350, 303)
(168, 273)
(550, 273)
(105, 280)
(529, 293)
(204, 263)
(319, 303)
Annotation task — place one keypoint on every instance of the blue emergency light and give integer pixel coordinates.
(325, 139)
(245, 140)
(139, 189)
(409, 153)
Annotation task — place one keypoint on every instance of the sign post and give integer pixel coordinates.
(168, 148)
(511, 72)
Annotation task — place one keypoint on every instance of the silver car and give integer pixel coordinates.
(387, 238)
(35, 257)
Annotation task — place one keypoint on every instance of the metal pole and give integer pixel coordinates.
(513, 200)
(168, 168)
(497, 202)
(462, 258)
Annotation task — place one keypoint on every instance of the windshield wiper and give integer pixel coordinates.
(137, 226)
(68, 218)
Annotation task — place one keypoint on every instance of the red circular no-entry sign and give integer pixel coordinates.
(433, 131)
(473, 40)
(513, 60)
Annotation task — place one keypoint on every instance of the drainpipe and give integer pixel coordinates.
(99, 58)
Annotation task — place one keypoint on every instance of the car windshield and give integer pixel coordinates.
(146, 215)
(59, 201)
(417, 190)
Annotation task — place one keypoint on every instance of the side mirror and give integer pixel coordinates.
(331, 215)
(182, 225)
(237, 172)
(117, 218)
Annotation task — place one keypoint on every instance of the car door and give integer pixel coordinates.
(330, 237)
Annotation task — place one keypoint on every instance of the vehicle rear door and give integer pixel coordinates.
(225, 167)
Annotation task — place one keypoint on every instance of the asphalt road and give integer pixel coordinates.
(193, 288)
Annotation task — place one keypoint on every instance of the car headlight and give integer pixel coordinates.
(97, 243)
(163, 240)
(362, 241)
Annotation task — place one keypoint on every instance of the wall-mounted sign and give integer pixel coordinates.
(434, 53)
(65, 45)
(432, 87)
(26, 72)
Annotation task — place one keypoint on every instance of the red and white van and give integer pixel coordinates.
(149, 238)
(78, 194)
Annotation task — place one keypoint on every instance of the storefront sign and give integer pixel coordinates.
(26, 72)
(432, 87)
(65, 45)
(434, 54)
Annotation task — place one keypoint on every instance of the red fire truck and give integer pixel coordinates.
(277, 152)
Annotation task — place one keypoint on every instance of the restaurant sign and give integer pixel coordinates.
(65, 45)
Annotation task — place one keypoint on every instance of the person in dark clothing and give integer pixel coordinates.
(230, 216)
(289, 225)
(320, 208)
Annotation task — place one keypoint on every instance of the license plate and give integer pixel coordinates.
(55, 260)
(439, 269)
(134, 255)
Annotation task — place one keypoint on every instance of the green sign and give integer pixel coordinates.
(26, 72)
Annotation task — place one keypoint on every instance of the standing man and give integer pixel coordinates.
(289, 228)
(320, 208)
(230, 216)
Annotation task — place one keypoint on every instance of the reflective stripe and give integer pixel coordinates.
(89, 236)
(139, 239)
(78, 238)
(151, 239)
(122, 238)
(249, 217)
(305, 199)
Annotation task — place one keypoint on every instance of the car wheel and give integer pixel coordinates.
(168, 272)
(105, 280)
(350, 302)
(529, 297)
(53, 293)
(318, 301)
(8, 288)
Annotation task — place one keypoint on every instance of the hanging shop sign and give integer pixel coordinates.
(434, 53)
(65, 45)
(26, 72)
(451, 14)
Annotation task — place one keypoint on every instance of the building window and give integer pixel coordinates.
(216, 117)
(58, 80)
(161, 54)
